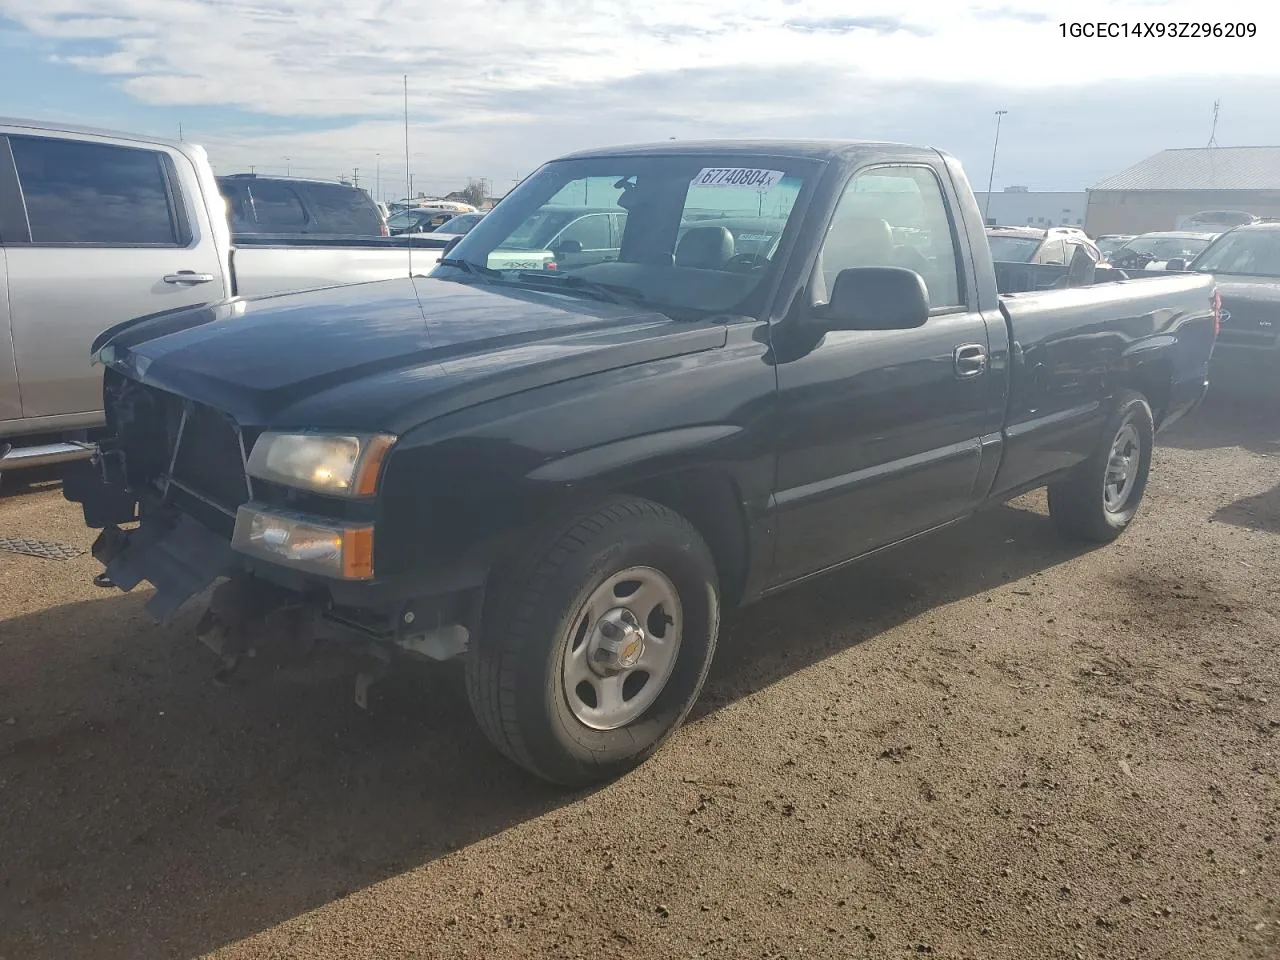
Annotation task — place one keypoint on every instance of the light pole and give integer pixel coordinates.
(994, 148)
(288, 167)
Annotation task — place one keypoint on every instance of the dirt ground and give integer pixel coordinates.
(985, 745)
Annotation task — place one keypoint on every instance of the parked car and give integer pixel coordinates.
(458, 226)
(418, 220)
(97, 228)
(1216, 220)
(285, 206)
(1245, 262)
(1154, 251)
(563, 477)
(1052, 245)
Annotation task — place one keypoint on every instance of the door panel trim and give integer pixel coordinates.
(846, 483)
(1016, 431)
(840, 564)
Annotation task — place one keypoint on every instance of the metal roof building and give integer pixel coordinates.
(1161, 191)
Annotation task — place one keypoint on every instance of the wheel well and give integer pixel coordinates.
(1154, 381)
(709, 500)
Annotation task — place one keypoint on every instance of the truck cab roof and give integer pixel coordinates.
(821, 150)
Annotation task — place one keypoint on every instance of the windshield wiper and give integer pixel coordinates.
(467, 266)
(609, 292)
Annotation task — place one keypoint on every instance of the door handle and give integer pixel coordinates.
(970, 360)
(188, 277)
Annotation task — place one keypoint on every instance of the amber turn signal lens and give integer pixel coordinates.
(375, 451)
(357, 553)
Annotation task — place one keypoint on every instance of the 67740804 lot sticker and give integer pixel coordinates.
(744, 178)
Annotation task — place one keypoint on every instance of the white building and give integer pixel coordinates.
(1020, 207)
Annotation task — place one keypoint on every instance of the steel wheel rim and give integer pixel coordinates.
(1123, 464)
(604, 689)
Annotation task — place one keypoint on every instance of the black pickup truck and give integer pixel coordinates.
(563, 475)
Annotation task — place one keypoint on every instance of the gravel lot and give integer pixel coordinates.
(985, 745)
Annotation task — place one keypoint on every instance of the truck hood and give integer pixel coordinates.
(387, 355)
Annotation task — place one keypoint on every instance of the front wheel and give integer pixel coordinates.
(1099, 499)
(596, 642)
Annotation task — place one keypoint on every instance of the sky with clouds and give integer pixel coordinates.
(498, 86)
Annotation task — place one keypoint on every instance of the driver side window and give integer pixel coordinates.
(591, 231)
(893, 217)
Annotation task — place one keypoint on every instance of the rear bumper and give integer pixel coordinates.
(1261, 355)
(1246, 367)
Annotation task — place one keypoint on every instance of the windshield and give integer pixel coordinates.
(688, 235)
(1110, 245)
(459, 224)
(403, 219)
(1166, 248)
(1013, 249)
(1254, 253)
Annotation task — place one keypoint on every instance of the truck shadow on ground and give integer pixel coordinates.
(1259, 512)
(148, 813)
(1230, 418)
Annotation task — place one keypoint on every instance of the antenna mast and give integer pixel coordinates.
(408, 177)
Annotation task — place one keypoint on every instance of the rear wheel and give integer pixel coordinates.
(596, 642)
(1100, 498)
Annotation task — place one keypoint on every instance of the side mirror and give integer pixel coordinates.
(450, 245)
(876, 298)
(1177, 263)
(568, 246)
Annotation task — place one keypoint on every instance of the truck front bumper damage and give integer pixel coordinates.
(182, 559)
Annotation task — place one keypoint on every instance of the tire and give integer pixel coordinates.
(1089, 504)
(543, 627)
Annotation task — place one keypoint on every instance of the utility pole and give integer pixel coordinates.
(252, 168)
(288, 167)
(992, 180)
(179, 131)
(355, 177)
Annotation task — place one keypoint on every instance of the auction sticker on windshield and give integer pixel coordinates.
(743, 177)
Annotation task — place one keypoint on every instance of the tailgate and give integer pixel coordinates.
(1249, 322)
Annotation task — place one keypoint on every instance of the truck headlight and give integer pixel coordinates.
(345, 466)
(305, 543)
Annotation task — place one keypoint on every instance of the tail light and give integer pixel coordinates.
(1217, 313)
(551, 265)
(385, 230)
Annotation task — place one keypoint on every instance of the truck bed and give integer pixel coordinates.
(1069, 345)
